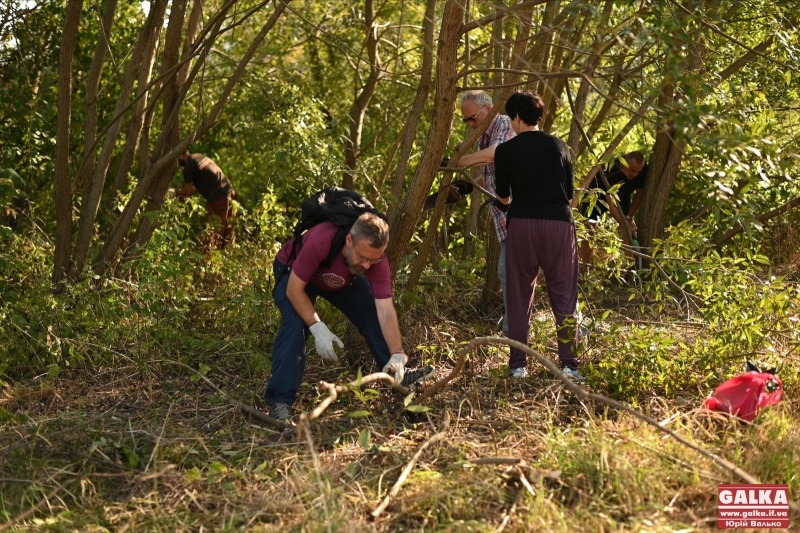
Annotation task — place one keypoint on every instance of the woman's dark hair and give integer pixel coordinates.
(526, 105)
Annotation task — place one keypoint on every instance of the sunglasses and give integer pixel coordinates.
(473, 118)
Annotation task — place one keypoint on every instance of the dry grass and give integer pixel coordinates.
(141, 446)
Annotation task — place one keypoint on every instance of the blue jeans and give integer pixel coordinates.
(289, 350)
(501, 273)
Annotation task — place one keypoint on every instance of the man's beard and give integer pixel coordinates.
(354, 269)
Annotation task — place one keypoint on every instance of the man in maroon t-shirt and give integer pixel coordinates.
(357, 283)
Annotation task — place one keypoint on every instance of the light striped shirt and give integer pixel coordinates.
(498, 132)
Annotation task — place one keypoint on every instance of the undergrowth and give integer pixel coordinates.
(101, 428)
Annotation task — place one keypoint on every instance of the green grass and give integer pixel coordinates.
(122, 439)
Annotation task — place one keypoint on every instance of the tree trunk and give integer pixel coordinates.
(192, 30)
(664, 165)
(63, 193)
(93, 188)
(665, 161)
(137, 122)
(539, 60)
(602, 44)
(418, 107)
(404, 223)
(92, 87)
(359, 108)
(490, 294)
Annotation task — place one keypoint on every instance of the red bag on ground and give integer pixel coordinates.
(745, 395)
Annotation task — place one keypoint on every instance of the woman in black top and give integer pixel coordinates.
(536, 168)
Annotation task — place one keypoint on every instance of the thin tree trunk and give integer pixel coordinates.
(403, 224)
(136, 126)
(93, 189)
(490, 296)
(471, 229)
(92, 87)
(602, 45)
(600, 118)
(663, 168)
(491, 274)
(192, 30)
(359, 108)
(540, 58)
(63, 193)
(418, 107)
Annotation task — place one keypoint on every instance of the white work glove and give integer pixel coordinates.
(396, 366)
(325, 339)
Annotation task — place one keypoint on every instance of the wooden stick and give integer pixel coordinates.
(410, 466)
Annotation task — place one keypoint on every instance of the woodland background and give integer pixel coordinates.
(125, 342)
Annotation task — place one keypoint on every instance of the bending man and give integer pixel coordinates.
(632, 174)
(202, 175)
(357, 283)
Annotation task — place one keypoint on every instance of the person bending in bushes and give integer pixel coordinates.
(202, 175)
(357, 282)
(631, 172)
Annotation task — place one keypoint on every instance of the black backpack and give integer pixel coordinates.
(333, 204)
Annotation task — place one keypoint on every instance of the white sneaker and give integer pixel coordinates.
(518, 373)
(572, 374)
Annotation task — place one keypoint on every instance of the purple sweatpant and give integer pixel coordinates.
(551, 244)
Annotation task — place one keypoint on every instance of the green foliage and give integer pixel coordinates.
(738, 309)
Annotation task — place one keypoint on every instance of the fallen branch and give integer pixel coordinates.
(410, 466)
(439, 385)
(335, 390)
(333, 393)
(581, 393)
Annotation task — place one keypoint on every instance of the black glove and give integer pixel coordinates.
(457, 191)
(501, 206)
(463, 187)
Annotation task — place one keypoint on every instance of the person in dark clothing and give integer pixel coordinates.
(202, 175)
(536, 167)
(631, 172)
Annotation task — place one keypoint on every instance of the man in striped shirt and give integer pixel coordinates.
(475, 106)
